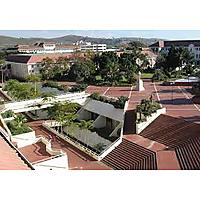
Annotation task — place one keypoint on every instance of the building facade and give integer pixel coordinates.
(44, 48)
(192, 45)
(22, 65)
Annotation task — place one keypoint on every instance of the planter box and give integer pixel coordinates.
(8, 119)
(141, 126)
(24, 139)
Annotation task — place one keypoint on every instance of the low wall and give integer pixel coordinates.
(24, 139)
(100, 122)
(141, 126)
(110, 148)
(58, 163)
(6, 95)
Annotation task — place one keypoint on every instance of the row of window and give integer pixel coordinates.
(197, 56)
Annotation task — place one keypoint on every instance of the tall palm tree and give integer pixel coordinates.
(34, 79)
(88, 125)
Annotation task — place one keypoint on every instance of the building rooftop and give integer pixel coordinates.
(36, 58)
(177, 43)
(10, 159)
(35, 153)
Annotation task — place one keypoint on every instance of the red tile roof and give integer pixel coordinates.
(9, 157)
(36, 58)
(178, 135)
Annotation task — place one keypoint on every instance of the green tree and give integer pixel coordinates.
(47, 68)
(88, 125)
(82, 70)
(64, 113)
(19, 120)
(34, 79)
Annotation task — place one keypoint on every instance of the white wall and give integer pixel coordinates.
(105, 109)
(25, 139)
(19, 70)
(100, 122)
(141, 126)
(53, 164)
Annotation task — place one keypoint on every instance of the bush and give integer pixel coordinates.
(15, 130)
(78, 88)
(159, 76)
(95, 96)
(146, 108)
(8, 114)
(119, 103)
(53, 84)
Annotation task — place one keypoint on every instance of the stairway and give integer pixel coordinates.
(130, 156)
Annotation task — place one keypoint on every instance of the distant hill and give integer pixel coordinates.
(6, 41)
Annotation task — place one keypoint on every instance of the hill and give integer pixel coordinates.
(6, 41)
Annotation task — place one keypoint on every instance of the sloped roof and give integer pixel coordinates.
(104, 109)
(9, 157)
(36, 58)
(179, 135)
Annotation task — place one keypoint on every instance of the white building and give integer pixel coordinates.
(22, 65)
(41, 48)
(192, 45)
(88, 46)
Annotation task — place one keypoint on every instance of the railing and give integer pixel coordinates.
(97, 156)
(110, 148)
(25, 104)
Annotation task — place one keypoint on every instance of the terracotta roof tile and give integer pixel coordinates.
(9, 158)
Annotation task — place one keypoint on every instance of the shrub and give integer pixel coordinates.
(8, 114)
(95, 96)
(146, 108)
(53, 84)
(119, 103)
(78, 88)
(159, 76)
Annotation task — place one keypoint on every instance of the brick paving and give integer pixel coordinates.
(76, 158)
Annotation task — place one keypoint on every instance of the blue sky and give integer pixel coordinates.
(165, 34)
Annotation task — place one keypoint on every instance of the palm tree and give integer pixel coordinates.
(48, 97)
(34, 78)
(64, 113)
(19, 120)
(88, 125)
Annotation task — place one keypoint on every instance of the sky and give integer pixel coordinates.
(163, 34)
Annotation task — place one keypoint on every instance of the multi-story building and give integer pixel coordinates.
(44, 47)
(192, 45)
(88, 46)
(22, 65)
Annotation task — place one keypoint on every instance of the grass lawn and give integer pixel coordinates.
(147, 75)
